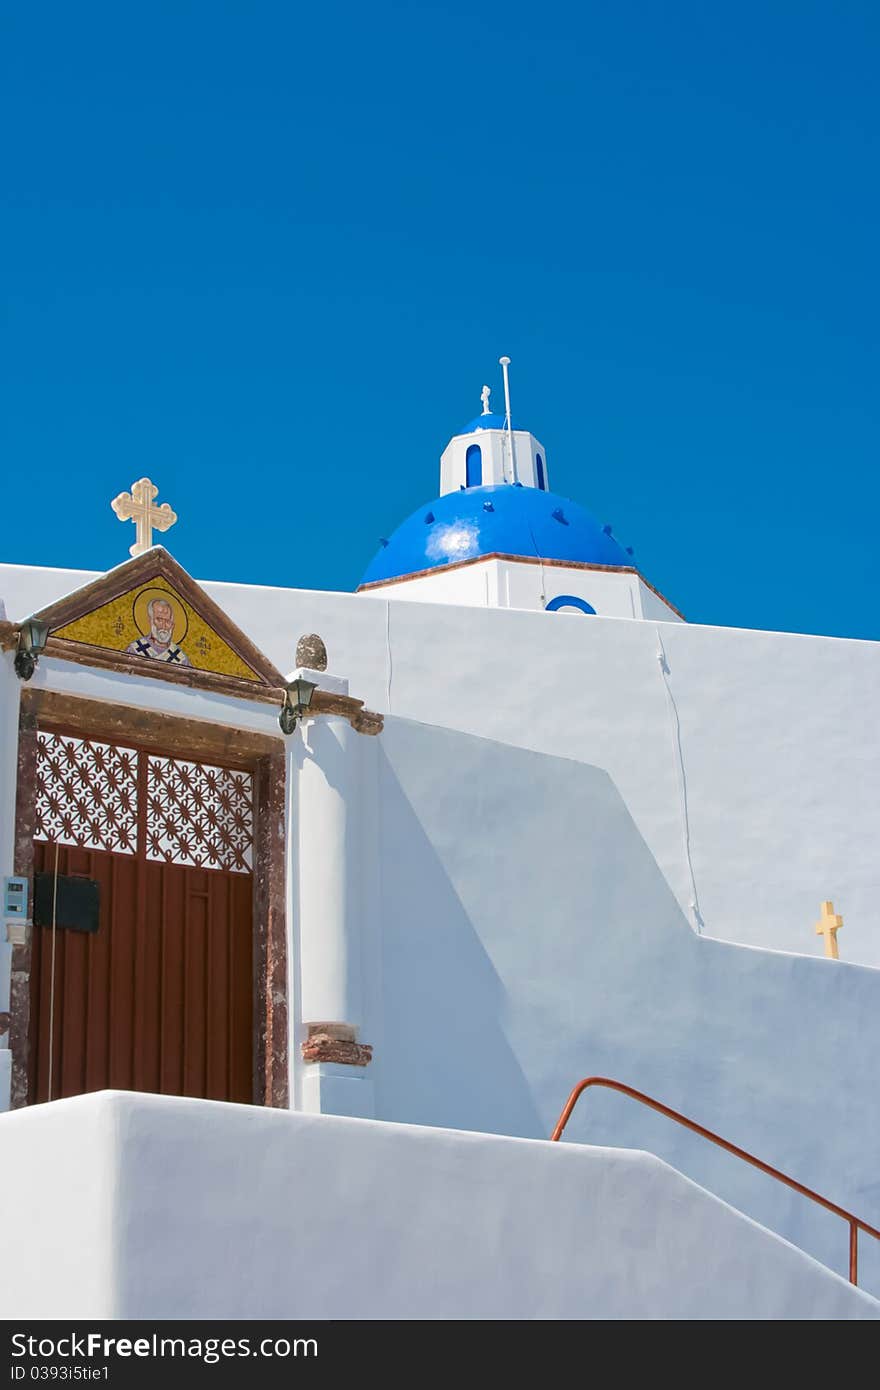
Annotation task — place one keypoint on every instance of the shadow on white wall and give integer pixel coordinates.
(529, 939)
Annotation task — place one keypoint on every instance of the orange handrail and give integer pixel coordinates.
(855, 1223)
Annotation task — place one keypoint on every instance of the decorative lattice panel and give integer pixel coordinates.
(199, 815)
(86, 793)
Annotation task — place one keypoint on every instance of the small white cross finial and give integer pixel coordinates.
(484, 397)
(137, 506)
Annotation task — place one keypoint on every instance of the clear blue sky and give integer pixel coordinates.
(268, 253)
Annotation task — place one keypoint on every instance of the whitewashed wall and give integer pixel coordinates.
(509, 584)
(530, 917)
(496, 460)
(475, 584)
(527, 939)
(327, 1218)
(751, 767)
(751, 764)
(651, 605)
(612, 595)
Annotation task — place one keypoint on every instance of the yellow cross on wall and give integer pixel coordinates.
(137, 506)
(828, 926)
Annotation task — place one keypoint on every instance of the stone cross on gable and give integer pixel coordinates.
(138, 506)
(828, 926)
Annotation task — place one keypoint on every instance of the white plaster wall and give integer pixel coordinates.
(328, 887)
(163, 697)
(529, 939)
(331, 1218)
(524, 931)
(59, 1176)
(25, 589)
(532, 586)
(475, 584)
(507, 584)
(751, 767)
(334, 927)
(495, 459)
(652, 606)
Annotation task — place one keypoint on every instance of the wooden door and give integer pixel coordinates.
(159, 997)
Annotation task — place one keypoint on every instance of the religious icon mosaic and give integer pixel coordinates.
(153, 622)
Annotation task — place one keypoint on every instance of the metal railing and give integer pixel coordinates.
(855, 1223)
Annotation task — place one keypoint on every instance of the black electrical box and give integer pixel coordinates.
(77, 903)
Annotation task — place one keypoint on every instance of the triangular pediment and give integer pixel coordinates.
(148, 616)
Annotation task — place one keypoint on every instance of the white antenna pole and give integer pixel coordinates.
(505, 363)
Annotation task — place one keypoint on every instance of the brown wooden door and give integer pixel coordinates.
(159, 998)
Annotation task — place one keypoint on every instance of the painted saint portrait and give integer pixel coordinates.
(155, 621)
(162, 623)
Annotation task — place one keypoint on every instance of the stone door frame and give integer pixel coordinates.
(265, 757)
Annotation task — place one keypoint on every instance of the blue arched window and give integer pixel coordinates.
(539, 465)
(473, 463)
(569, 601)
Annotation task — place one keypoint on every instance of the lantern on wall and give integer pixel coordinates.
(297, 698)
(32, 637)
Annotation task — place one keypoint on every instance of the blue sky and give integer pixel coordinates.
(268, 253)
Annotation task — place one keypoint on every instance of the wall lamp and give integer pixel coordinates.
(32, 635)
(297, 698)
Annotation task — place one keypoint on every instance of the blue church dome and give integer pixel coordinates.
(506, 520)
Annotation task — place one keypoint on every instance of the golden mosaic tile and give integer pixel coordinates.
(153, 622)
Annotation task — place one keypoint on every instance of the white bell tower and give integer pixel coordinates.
(491, 452)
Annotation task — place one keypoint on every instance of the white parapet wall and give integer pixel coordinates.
(748, 760)
(169, 1208)
(504, 582)
(5, 1076)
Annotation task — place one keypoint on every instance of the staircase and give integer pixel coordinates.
(855, 1223)
(173, 1208)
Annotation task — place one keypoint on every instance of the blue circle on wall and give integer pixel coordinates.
(569, 601)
